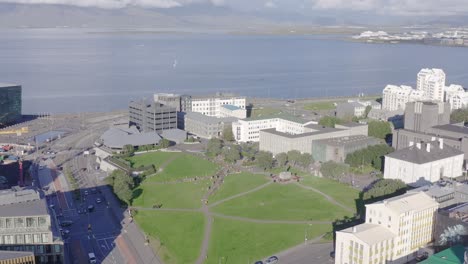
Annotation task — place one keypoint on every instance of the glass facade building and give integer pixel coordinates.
(10, 103)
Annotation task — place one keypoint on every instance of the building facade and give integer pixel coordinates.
(422, 115)
(424, 163)
(152, 116)
(248, 130)
(336, 149)
(355, 108)
(395, 97)
(232, 111)
(10, 103)
(393, 231)
(25, 225)
(206, 126)
(211, 106)
(432, 83)
(456, 96)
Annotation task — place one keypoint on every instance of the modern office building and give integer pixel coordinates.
(422, 115)
(424, 163)
(393, 232)
(336, 149)
(432, 83)
(456, 96)
(25, 225)
(152, 116)
(211, 105)
(182, 103)
(206, 126)
(232, 111)
(395, 97)
(276, 141)
(16, 257)
(248, 130)
(10, 103)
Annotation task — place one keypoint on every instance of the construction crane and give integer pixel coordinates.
(18, 132)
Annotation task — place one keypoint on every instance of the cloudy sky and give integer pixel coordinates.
(384, 7)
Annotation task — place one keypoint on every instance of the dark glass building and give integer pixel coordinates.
(10, 103)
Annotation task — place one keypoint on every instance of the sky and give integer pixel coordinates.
(383, 7)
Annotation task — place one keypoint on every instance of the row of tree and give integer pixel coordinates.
(122, 184)
(372, 155)
(333, 170)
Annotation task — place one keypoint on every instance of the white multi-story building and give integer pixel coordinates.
(432, 83)
(211, 106)
(395, 97)
(423, 163)
(248, 130)
(393, 232)
(232, 111)
(456, 96)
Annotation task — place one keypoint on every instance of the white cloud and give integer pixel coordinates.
(118, 3)
(270, 4)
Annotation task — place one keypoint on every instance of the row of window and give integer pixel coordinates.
(21, 222)
(25, 239)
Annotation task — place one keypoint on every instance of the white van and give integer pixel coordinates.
(92, 258)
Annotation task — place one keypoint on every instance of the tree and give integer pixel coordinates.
(329, 121)
(122, 184)
(371, 155)
(366, 112)
(227, 133)
(459, 115)
(293, 157)
(379, 129)
(264, 160)
(281, 159)
(232, 153)
(164, 143)
(385, 188)
(305, 160)
(214, 147)
(333, 170)
(249, 150)
(128, 150)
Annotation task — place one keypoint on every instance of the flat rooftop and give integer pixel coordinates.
(323, 130)
(420, 156)
(453, 128)
(30, 208)
(367, 233)
(208, 119)
(348, 141)
(6, 255)
(7, 85)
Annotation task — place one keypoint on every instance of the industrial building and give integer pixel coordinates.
(206, 126)
(424, 163)
(10, 103)
(25, 225)
(336, 149)
(152, 116)
(276, 142)
(394, 231)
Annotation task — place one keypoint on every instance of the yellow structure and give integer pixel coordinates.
(16, 257)
(18, 132)
(394, 231)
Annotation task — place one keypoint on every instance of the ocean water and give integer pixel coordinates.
(71, 70)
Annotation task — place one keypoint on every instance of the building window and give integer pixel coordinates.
(45, 238)
(42, 221)
(28, 239)
(37, 238)
(19, 222)
(2, 223)
(9, 223)
(20, 239)
(30, 222)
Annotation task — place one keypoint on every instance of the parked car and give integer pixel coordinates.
(271, 260)
(66, 223)
(422, 256)
(92, 258)
(98, 200)
(259, 262)
(90, 208)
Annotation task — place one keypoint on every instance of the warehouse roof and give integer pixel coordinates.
(417, 155)
(117, 137)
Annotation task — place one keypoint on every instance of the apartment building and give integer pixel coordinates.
(25, 225)
(393, 231)
(395, 97)
(248, 130)
(423, 163)
(432, 83)
(456, 96)
(152, 116)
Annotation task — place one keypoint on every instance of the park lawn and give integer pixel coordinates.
(185, 166)
(264, 111)
(180, 234)
(238, 183)
(235, 241)
(321, 105)
(156, 158)
(171, 195)
(342, 193)
(282, 202)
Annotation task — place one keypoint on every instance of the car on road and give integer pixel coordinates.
(92, 258)
(259, 262)
(64, 232)
(98, 200)
(51, 206)
(271, 260)
(86, 193)
(66, 223)
(90, 208)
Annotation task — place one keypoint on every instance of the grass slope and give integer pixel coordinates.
(282, 202)
(237, 183)
(241, 242)
(156, 158)
(177, 195)
(180, 234)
